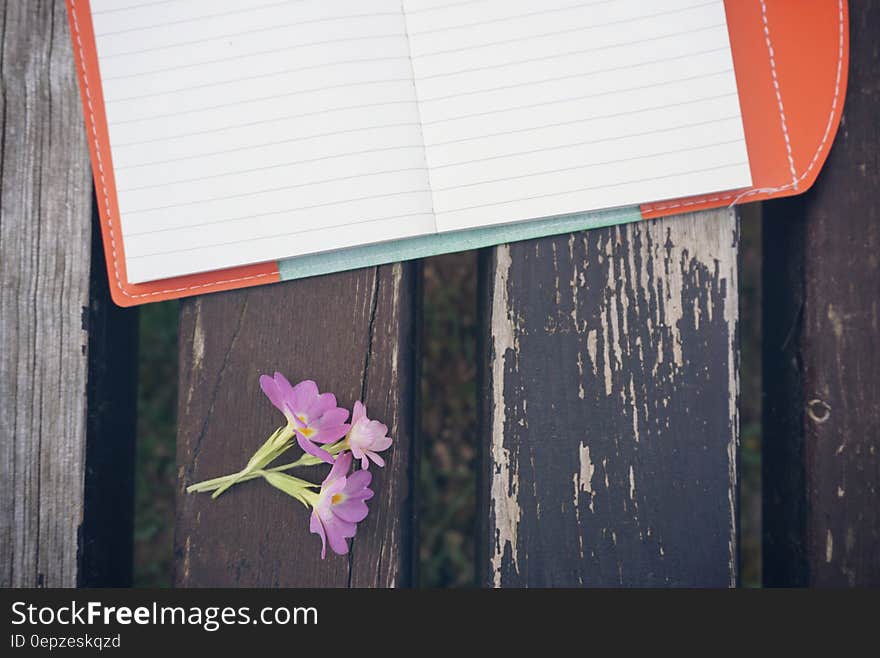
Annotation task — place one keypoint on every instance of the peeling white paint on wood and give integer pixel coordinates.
(583, 478)
(645, 307)
(609, 379)
(396, 287)
(728, 265)
(198, 343)
(587, 468)
(505, 512)
(198, 351)
(592, 341)
(635, 408)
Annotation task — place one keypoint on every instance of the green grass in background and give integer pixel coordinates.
(155, 468)
(447, 480)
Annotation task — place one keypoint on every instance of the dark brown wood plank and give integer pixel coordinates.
(821, 358)
(354, 334)
(610, 386)
(67, 363)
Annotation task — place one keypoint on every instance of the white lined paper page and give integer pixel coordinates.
(538, 109)
(252, 130)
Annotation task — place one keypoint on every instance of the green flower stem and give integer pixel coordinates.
(272, 448)
(290, 478)
(210, 485)
(309, 460)
(292, 486)
(216, 483)
(256, 467)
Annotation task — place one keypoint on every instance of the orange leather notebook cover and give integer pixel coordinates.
(790, 58)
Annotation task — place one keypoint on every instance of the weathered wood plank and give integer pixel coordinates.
(353, 333)
(45, 315)
(610, 387)
(821, 362)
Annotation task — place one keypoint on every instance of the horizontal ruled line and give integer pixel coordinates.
(569, 53)
(224, 36)
(571, 99)
(505, 19)
(256, 53)
(270, 190)
(198, 18)
(541, 127)
(261, 98)
(459, 3)
(580, 28)
(646, 156)
(117, 10)
(585, 143)
(596, 187)
(488, 90)
(282, 235)
(325, 19)
(235, 126)
(280, 212)
(219, 83)
(290, 163)
(251, 147)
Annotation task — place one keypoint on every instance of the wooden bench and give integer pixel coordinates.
(609, 381)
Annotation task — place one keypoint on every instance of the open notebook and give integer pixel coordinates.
(229, 133)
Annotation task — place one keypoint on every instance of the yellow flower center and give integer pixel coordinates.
(306, 431)
(336, 498)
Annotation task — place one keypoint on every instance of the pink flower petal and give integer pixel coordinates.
(316, 527)
(359, 411)
(378, 429)
(340, 527)
(366, 494)
(330, 434)
(357, 481)
(282, 383)
(340, 468)
(303, 394)
(382, 443)
(312, 449)
(270, 388)
(337, 532)
(353, 511)
(334, 416)
(337, 485)
(321, 405)
(376, 458)
(357, 493)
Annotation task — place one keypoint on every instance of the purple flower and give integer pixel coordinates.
(340, 505)
(367, 437)
(312, 416)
